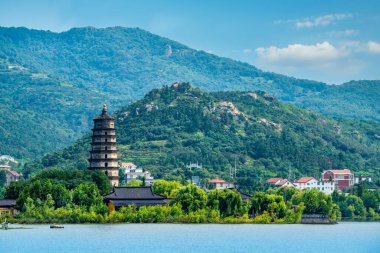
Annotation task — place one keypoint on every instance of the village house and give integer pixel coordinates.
(10, 175)
(343, 179)
(137, 196)
(359, 179)
(7, 206)
(285, 183)
(274, 180)
(311, 183)
(220, 184)
(131, 172)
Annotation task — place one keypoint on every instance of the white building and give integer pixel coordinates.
(359, 179)
(220, 184)
(311, 183)
(285, 183)
(132, 172)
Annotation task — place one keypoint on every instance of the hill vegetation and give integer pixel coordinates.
(52, 83)
(261, 136)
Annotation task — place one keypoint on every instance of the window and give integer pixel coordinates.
(105, 156)
(105, 148)
(105, 133)
(106, 164)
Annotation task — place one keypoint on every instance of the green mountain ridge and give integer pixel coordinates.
(53, 83)
(176, 125)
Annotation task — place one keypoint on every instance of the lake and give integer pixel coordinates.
(355, 237)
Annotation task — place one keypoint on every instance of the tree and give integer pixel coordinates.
(226, 201)
(134, 183)
(272, 204)
(166, 188)
(87, 195)
(191, 198)
(3, 178)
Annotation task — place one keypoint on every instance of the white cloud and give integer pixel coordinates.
(323, 61)
(373, 47)
(299, 54)
(343, 33)
(321, 20)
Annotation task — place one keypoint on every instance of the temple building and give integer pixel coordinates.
(103, 153)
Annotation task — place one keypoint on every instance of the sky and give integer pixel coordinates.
(332, 41)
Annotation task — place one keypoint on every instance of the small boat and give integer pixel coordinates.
(57, 226)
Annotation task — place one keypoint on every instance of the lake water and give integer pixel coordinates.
(165, 238)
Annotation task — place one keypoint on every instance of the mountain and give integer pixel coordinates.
(52, 83)
(177, 125)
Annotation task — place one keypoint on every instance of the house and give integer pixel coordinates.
(220, 184)
(285, 183)
(311, 183)
(274, 180)
(128, 166)
(359, 179)
(137, 196)
(5, 167)
(7, 206)
(12, 176)
(194, 166)
(343, 179)
(305, 183)
(138, 173)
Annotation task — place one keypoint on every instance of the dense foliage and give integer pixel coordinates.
(52, 84)
(177, 125)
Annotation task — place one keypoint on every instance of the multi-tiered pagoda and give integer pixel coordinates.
(103, 154)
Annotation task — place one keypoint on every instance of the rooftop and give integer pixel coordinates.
(133, 193)
(342, 171)
(218, 181)
(282, 182)
(303, 180)
(7, 202)
(274, 180)
(104, 114)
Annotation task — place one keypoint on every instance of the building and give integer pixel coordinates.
(274, 180)
(308, 183)
(128, 166)
(343, 179)
(194, 166)
(131, 171)
(359, 179)
(137, 196)
(103, 154)
(12, 176)
(285, 183)
(8, 158)
(5, 167)
(220, 184)
(7, 206)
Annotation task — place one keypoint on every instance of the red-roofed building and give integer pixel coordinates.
(308, 183)
(343, 179)
(285, 183)
(10, 175)
(305, 182)
(274, 180)
(220, 184)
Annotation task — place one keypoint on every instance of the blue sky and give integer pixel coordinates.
(332, 41)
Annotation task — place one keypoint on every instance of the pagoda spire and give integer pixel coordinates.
(103, 153)
(104, 111)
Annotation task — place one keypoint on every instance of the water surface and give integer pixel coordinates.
(355, 237)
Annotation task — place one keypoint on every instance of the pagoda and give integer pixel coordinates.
(103, 153)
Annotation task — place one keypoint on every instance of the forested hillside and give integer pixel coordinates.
(52, 83)
(179, 124)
